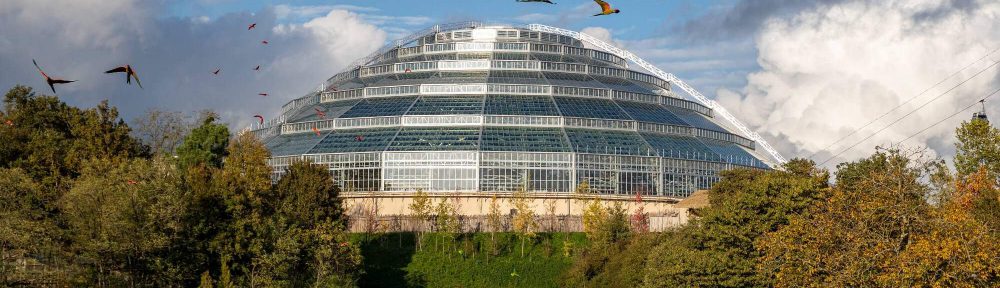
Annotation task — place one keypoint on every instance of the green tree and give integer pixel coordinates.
(493, 222)
(719, 248)
(420, 210)
(28, 234)
(524, 222)
(206, 145)
(447, 222)
(978, 146)
(123, 217)
(878, 229)
(308, 195)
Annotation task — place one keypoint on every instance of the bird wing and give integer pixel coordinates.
(60, 81)
(604, 5)
(136, 76)
(261, 119)
(39, 69)
(116, 70)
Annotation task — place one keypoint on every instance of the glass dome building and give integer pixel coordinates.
(472, 107)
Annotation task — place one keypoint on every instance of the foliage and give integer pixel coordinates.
(620, 264)
(719, 249)
(161, 130)
(878, 229)
(524, 222)
(420, 209)
(977, 144)
(206, 145)
(392, 266)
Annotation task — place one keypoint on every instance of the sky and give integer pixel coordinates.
(801, 73)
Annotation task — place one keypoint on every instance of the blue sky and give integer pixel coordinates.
(802, 73)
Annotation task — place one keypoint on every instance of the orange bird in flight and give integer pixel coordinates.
(51, 81)
(254, 25)
(262, 94)
(263, 42)
(317, 131)
(605, 8)
(129, 74)
(261, 119)
(320, 113)
(216, 72)
(256, 68)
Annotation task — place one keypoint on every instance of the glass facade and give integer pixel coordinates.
(455, 112)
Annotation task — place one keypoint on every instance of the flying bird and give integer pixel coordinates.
(543, 1)
(359, 138)
(51, 81)
(261, 119)
(254, 25)
(605, 8)
(129, 74)
(316, 130)
(256, 68)
(216, 72)
(407, 70)
(319, 113)
(262, 94)
(264, 42)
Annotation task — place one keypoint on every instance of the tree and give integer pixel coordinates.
(447, 222)
(719, 249)
(122, 218)
(308, 195)
(493, 222)
(205, 145)
(28, 234)
(978, 148)
(978, 144)
(639, 219)
(594, 214)
(161, 130)
(524, 222)
(420, 209)
(878, 229)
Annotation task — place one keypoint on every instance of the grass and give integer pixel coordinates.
(393, 260)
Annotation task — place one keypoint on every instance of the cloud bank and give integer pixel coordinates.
(830, 69)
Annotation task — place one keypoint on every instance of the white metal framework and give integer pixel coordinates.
(667, 77)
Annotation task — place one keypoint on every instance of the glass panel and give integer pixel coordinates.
(441, 105)
(524, 139)
(292, 144)
(520, 105)
(330, 111)
(607, 142)
(590, 108)
(650, 113)
(358, 140)
(681, 147)
(372, 107)
(430, 139)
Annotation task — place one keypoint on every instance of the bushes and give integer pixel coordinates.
(467, 264)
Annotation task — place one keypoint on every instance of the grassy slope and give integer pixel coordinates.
(392, 260)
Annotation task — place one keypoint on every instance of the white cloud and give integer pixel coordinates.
(175, 56)
(311, 11)
(829, 70)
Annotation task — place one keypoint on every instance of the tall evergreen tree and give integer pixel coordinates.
(206, 145)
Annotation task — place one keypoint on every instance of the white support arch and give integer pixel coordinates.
(667, 77)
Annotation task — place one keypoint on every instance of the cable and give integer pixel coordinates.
(911, 112)
(951, 116)
(904, 103)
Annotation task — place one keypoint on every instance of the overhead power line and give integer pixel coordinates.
(911, 112)
(952, 115)
(904, 103)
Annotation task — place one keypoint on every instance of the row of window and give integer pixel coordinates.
(508, 172)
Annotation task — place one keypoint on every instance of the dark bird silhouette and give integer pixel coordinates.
(129, 74)
(216, 72)
(605, 8)
(256, 68)
(51, 81)
(262, 94)
(261, 119)
(264, 42)
(254, 25)
(543, 1)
